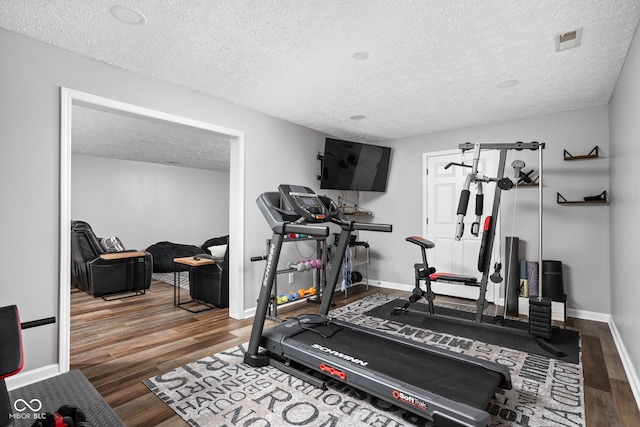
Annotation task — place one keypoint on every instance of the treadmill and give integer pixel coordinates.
(450, 388)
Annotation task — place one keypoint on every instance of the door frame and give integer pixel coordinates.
(236, 204)
(497, 297)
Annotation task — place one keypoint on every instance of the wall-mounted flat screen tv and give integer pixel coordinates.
(348, 165)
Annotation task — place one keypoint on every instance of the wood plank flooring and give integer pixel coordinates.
(118, 344)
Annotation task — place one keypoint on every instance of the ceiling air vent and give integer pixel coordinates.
(568, 40)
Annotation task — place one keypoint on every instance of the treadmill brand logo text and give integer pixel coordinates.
(265, 280)
(411, 400)
(340, 355)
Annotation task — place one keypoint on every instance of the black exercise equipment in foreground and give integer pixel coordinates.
(539, 308)
(438, 317)
(447, 387)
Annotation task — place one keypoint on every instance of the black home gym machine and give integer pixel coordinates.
(539, 324)
(450, 388)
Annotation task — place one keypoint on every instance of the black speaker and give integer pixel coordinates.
(552, 282)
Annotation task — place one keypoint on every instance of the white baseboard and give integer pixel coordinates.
(34, 375)
(632, 375)
(392, 285)
(252, 311)
(588, 315)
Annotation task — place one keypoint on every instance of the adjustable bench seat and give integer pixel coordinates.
(454, 278)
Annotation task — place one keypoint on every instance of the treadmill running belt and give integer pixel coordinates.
(450, 378)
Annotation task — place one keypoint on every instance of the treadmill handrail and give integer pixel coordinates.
(367, 226)
(312, 230)
(345, 224)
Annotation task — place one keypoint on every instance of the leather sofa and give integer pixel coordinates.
(100, 273)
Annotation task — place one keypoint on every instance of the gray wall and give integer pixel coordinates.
(144, 203)
(576, 235)
(625, 159)
(30, 79)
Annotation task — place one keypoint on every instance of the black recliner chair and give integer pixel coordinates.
(210, 283)
(100, 273)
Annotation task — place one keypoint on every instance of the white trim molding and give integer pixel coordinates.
(632, 375)
(32, 376)
(588, 315)
(391, 285)
(69, 97)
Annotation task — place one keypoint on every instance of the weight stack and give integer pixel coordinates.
(540, 317)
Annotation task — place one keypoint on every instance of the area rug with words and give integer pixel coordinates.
(222, 391)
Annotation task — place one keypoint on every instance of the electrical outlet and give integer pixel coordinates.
(292, 278)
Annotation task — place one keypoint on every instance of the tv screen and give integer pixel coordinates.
(348, 165)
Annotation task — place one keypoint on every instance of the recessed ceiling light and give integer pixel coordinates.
(568, 40)
(358, 117)
(507, 83)
(128, 16)
(360, 56)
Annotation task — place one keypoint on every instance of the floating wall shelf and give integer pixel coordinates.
(592, 200)
(593, 154)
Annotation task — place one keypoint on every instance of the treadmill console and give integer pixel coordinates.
(304, 202)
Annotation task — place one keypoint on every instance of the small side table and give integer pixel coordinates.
(191, 262)
(126, 255)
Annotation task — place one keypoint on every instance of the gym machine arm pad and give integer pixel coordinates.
(462, 209)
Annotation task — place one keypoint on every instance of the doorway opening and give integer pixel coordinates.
(69, 98)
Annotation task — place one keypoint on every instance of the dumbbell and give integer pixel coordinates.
(305, 265)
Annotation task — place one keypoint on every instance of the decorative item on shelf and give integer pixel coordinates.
(592, 155)
(602, 197)
(599, 199)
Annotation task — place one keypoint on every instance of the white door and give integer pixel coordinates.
(441, 198)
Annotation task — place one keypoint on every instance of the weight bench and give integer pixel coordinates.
(428, 274)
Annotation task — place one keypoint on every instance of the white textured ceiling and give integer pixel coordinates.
(433, 65)
(107, 133)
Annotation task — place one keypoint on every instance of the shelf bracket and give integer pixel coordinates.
(561, 199)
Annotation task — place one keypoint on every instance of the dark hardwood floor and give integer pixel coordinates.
(118, 344)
